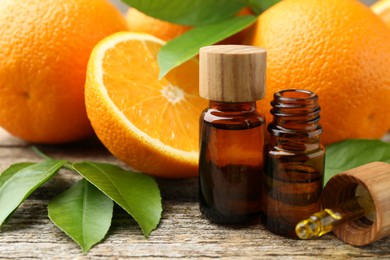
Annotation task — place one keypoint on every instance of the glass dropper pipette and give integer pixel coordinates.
(326, 220)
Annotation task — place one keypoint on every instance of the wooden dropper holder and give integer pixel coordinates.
(375, 178)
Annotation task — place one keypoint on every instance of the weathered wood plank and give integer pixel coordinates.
(183, 232)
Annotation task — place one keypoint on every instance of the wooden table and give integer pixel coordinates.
(183, 232)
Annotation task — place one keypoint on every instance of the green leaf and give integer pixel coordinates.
(83, 213)
(12, 170)
(352, 153)
(190, 12)
(23, 182)
(187, 45)
(8, 173)
(259, 6)
(136, 193)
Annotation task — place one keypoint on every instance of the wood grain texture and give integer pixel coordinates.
(374, 177)
(232, 73)
(183, 232)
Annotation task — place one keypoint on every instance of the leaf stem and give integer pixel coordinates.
(67, 165)
(40, 154)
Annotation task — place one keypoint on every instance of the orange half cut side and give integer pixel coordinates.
(150, 124)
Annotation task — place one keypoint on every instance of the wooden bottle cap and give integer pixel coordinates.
(375, 178)
(232, 73)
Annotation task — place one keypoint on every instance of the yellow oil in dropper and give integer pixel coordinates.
(326, 220)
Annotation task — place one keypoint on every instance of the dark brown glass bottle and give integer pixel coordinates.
(294, 161)
(231, 133)
(231, 162)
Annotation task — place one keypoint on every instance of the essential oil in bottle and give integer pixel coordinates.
(293, 177)
(232, 132)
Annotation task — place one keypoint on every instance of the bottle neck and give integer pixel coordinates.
(295, 126)
(296, 113)
(233, 106)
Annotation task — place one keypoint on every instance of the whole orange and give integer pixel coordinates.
(382, 8)
(140, 22)
(336, 48)
(44, 50)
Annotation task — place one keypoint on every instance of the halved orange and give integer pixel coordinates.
(150, 124)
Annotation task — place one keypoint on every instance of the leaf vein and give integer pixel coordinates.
(113, 184)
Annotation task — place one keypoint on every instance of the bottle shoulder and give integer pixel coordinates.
(245, 119)
(314, 150)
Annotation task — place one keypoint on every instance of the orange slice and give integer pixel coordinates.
(382, 8)
(150, 124)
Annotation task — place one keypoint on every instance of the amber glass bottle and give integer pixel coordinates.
(231, 133)
(294, 161)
